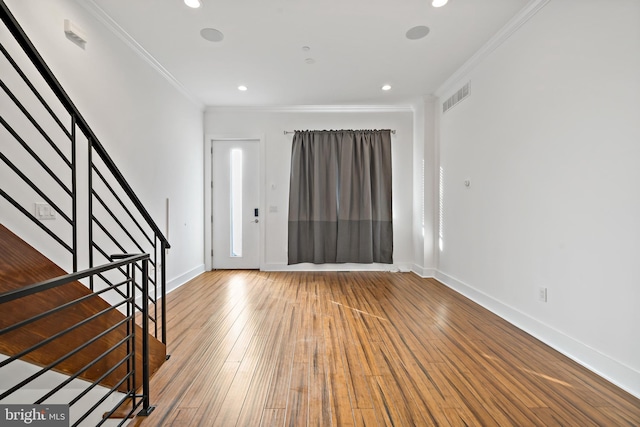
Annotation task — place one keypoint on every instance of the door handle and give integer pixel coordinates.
(256, 220)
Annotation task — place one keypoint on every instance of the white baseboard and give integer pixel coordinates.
(180, 280)
(610, 369)
(425, 273)
(397, 267)
(274, 266)
(403, 267)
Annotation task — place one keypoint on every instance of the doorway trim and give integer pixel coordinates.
(208, 211)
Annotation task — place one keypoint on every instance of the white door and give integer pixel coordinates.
(235, 172)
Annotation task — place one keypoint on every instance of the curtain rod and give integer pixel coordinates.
(287, 132)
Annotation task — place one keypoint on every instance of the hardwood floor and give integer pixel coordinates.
(253, 348)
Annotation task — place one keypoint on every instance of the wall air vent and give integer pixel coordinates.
(461, 94)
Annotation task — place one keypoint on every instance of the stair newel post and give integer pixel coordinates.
(90, 205)
(131, 328)
(74, 193)
(163, 286)
(146, 407)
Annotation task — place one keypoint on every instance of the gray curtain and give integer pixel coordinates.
(340, 197)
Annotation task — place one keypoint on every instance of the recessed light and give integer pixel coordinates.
(417, 32)
(310, 61)
(212, 34)
(386, 87)
(242, 88)
(193, 3)
(306, 48)
(438, 3)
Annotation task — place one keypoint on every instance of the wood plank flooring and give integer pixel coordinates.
(253, 348)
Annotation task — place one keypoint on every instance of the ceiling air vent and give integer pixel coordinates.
(461, 94)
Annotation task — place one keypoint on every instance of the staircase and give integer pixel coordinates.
(82, 263)
(21, 265)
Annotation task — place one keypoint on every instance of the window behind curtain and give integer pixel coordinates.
(340, 197)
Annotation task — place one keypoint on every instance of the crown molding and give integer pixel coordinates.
(116, 29)
(533, 7)
(313, 108)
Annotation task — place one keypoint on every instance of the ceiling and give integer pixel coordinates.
(356, 46)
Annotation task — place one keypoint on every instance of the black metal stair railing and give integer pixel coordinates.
(82, 405)
(50, 155)
(42, 133)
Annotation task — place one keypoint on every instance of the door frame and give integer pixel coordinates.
(208, 211)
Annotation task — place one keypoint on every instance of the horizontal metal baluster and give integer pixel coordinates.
(35, 188)
(57, 362)
(35, 123)
(56, 336)
(33, 219)
(108, 234)
(113, 193)
(115, 218)
(84, 369)
(26, 80)
(58, 308)
(105, 397)
(104, 254)
(35, 156)
(67, 278)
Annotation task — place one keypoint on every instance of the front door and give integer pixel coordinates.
(235, 169)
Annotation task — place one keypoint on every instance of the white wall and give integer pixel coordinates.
(550, 140)
(418, 186)
(425, 166)
(152, 130)
(269, 126)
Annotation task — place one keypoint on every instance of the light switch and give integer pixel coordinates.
(44, 211)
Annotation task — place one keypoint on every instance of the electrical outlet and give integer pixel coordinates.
(542, 294)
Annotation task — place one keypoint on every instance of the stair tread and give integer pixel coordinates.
(21, 265)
